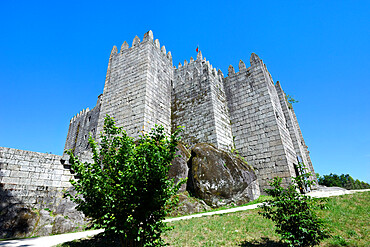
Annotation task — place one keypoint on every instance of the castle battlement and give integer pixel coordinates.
(79, 115)
(244, 111)
(136, 43)
(196, 68)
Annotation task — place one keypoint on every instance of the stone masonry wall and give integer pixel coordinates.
(158, 87)
(293, 128)
(258, 122)
(137, 87)
(31, 191)
(295, 132)
(199, 104)
(305, 148)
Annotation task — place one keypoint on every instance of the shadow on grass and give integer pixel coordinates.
(97, 241)
(263, 242)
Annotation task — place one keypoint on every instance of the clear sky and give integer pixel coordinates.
(54, 57)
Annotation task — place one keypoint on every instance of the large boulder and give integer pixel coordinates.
(179, 169)
(221, 178)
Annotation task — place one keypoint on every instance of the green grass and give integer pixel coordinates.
(347, 218)
(260, 199)
(220, 230)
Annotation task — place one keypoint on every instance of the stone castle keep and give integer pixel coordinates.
(244, 111)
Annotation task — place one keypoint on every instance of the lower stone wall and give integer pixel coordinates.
(32, 201)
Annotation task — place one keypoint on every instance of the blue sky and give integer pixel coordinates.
(54, 56)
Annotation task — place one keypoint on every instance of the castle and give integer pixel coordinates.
(244, 111)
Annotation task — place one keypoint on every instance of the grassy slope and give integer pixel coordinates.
(347, 218)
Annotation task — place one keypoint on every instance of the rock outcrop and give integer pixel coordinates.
(220, 178)
(179, 169)
(189, 205)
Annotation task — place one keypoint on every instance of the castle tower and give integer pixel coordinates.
(258, 122)
(137, 91)
(199, 104)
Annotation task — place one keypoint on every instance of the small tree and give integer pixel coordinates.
(293, 213)
(126, 190)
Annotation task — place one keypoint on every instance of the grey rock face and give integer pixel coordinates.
(32, 201)
(179, 169)
(189, 205)
(221, 178)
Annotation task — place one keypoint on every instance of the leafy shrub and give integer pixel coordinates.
(293, 213)
(126, 190)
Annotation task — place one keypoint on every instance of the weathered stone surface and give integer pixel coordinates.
(32, 201)
(14, 221)
(189, 205)
(199, 104)
(220, 178)
(179, 169)
(22, 220)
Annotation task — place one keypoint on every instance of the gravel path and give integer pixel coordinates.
(57, 239)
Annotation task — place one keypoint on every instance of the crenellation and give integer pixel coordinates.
(157, 44)
(148, 36)
(124, 47)
(136, 41)
(199, 55)
(163, 50)
(114, 51)
(242, 66)
(231, 70)
(169, 56)
(255, 60)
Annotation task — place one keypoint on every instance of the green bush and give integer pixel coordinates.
(293, 213)
(126, 190)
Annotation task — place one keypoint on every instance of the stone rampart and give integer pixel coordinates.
(32, 189)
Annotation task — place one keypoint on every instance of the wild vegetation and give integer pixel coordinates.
(344, 181)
